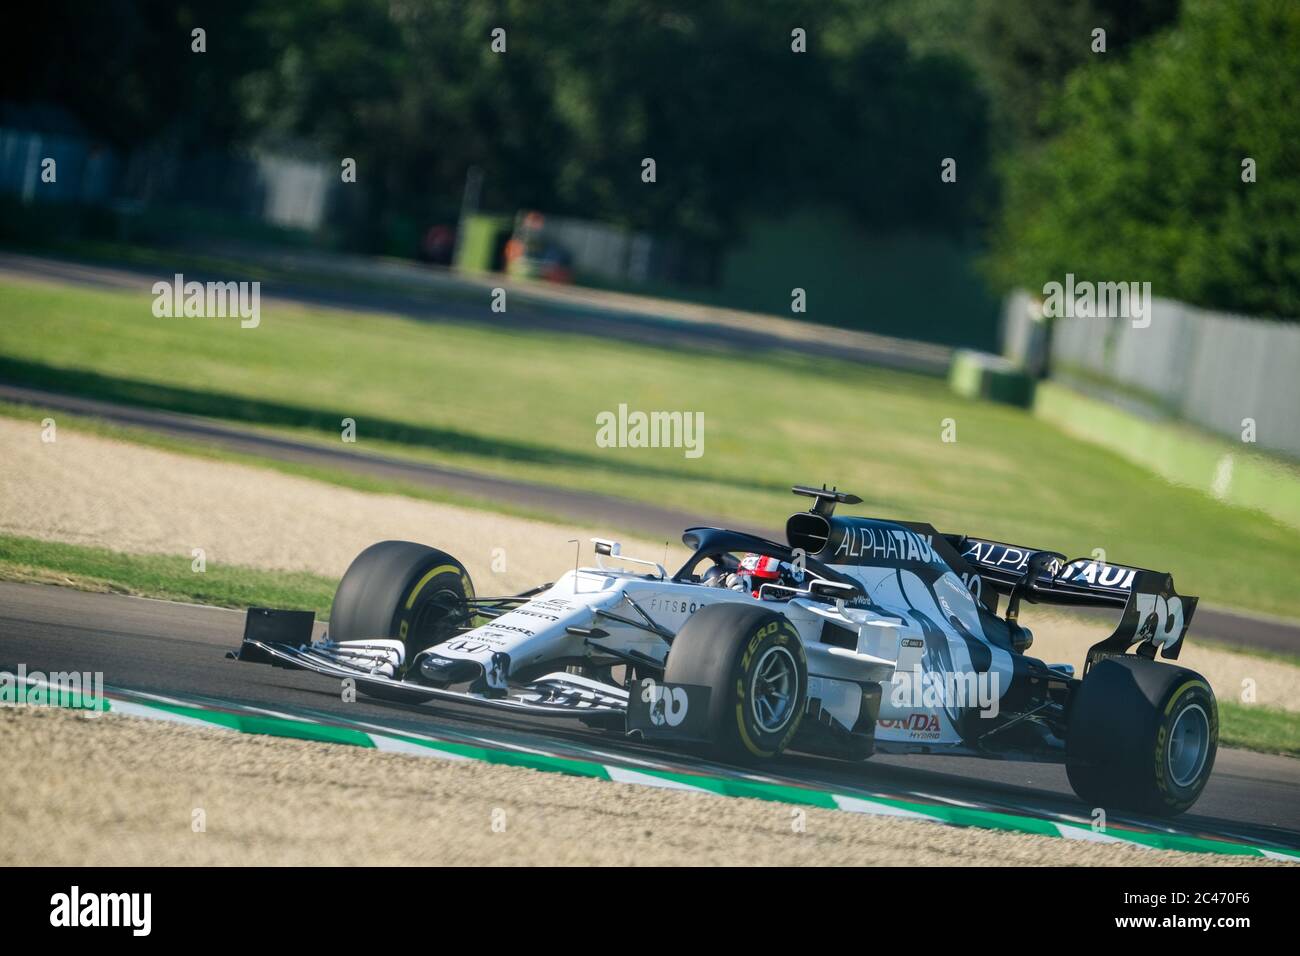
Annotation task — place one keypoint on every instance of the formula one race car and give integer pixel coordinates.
(856, 635)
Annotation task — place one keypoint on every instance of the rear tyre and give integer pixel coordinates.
(403, 590)
(1142, 736)
(753, 661)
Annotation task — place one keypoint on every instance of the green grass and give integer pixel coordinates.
(1259, 728)
(172, 578)
(524, 402)
(161, 576)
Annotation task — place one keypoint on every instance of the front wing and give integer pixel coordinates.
(282, 639)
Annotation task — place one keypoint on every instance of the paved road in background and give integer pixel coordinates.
(167, 648)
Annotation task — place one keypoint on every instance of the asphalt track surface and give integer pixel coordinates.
(167, 648)
(1224, 626)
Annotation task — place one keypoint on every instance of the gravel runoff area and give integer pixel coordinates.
(124, 791)
(89, 490)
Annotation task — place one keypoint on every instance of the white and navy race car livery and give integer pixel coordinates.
(854, 635)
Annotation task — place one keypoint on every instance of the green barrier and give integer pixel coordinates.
(991, 377)
(477, 243)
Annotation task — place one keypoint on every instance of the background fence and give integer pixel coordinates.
(1210, 369)
(278, 190)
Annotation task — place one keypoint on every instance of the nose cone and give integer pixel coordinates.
(441, 671)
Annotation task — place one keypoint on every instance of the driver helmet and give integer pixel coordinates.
(760, 569)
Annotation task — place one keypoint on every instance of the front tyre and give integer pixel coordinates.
(1142, 736)
(403, 590)
(753, 661)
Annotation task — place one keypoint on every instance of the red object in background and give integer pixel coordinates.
(531, 254)
(556, 272)
(514, 249)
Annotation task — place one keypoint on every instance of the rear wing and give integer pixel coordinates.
(1081, 582)
(1155, 615)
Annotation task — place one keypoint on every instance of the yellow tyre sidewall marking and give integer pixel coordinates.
(405, 626)
(787, 637)
(440, 569)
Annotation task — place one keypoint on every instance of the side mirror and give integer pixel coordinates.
(607, 547)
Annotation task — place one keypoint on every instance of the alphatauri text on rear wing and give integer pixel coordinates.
(1082, 581)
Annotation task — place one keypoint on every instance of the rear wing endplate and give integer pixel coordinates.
(1155, 618)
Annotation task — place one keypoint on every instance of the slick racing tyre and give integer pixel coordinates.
(752, 660)
(1141, 736)
(403, 590)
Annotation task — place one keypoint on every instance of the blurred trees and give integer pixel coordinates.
(125, 70)
(736, 122)
(1120, 163)
(1026, 48)
(1144, 180)
(1021, 50)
